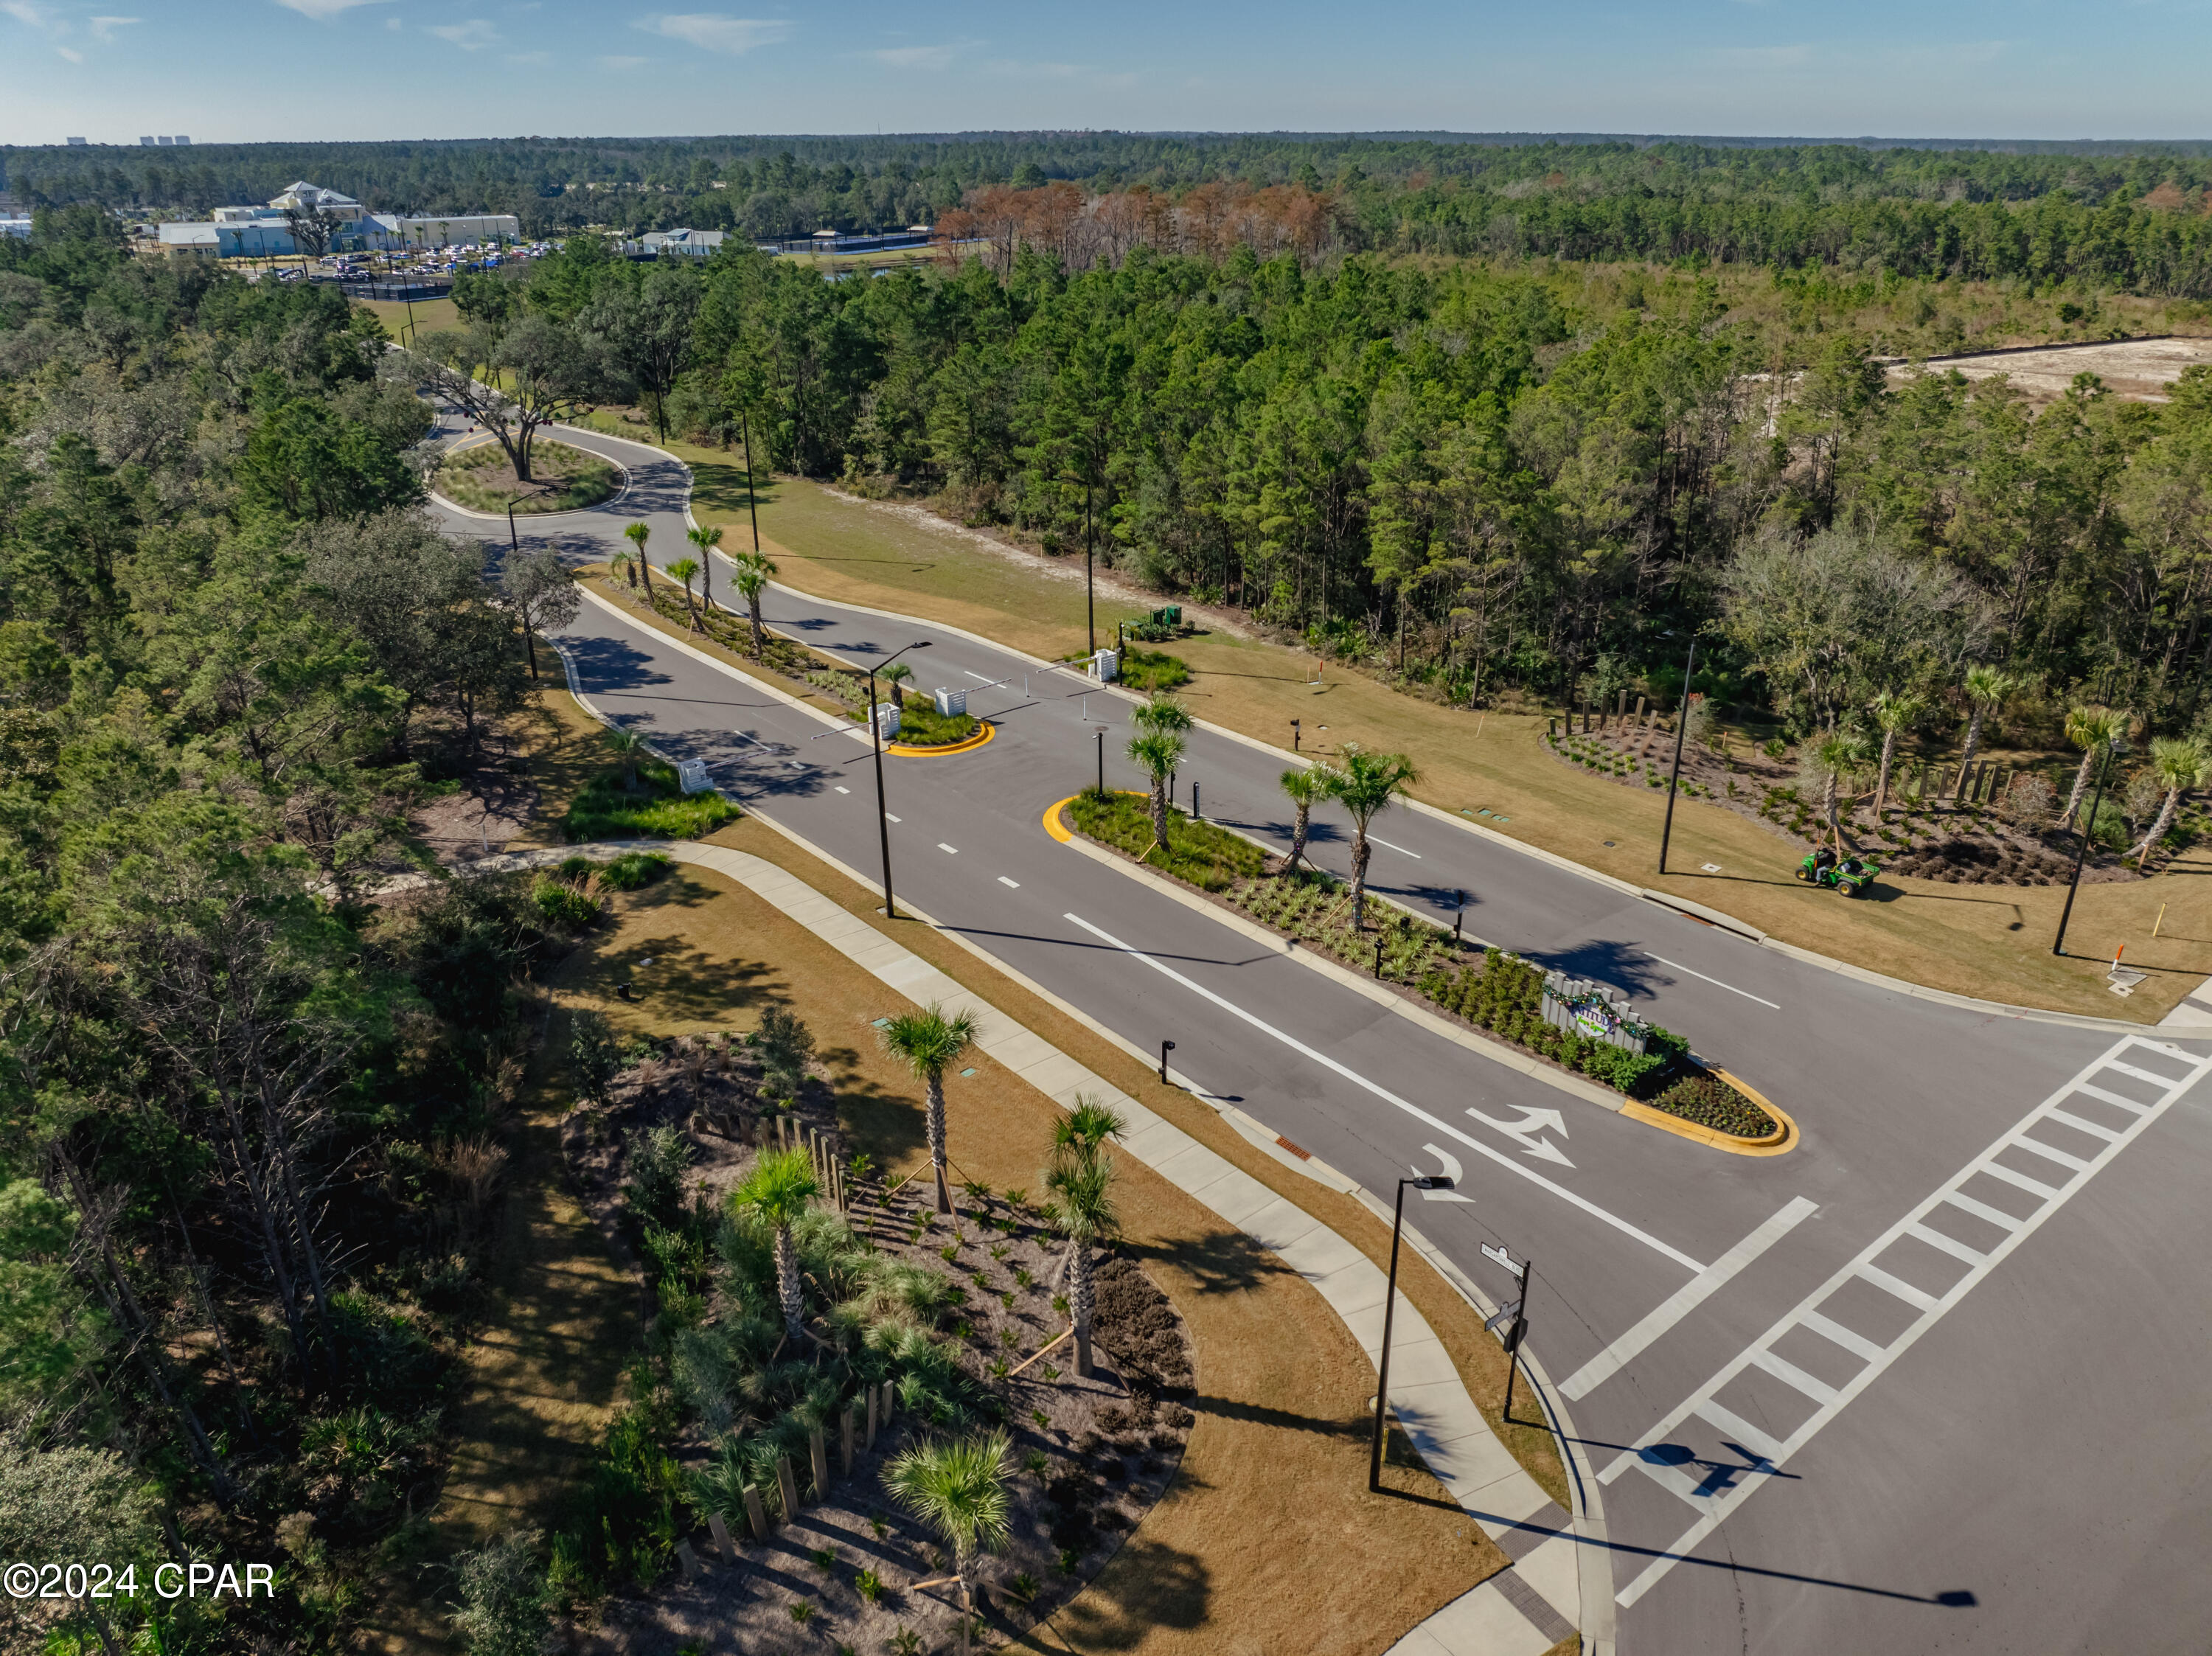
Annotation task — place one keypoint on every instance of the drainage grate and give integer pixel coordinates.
(1300, 1151)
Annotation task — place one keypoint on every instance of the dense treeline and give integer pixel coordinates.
(2096, 214)
(249, 1124)
(1482, 478)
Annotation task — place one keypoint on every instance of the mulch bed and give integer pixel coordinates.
(1094, 1455)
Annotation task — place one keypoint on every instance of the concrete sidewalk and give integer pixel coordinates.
(1521, 1611)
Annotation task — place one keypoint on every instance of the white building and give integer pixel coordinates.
(266, 232)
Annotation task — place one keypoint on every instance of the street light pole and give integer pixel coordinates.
(746, 421)
(1426, 1181)
(2081, 855)
(1682, 724)
(876, 737)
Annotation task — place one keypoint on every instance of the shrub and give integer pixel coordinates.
(1207, 857)
(633, 869)
(1705, 1099)
(1148, 670)
(560, 904)
(503, 1610)
(658, 810)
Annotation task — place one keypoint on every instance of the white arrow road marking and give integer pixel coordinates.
(1391, 1098)
(1532, 1122)
(1453, 1171)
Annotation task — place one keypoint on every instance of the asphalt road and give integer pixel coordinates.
(1991, 1438)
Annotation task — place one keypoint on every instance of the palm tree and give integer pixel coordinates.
(753, 571)
(1984, 687)
(893, 676)
(683, 569)
(636, 534)
(959, 1487)
(626, 562)
(1365, 786)
(2094, 729)
(1158, 753)
(1833, 760)
(929, 1042)
(1161, 714)
(1078, 1201)
(705, 539)
(1305, 787)
(777, 1192)
(2180, 763)
(1894, 711)
(630, 748)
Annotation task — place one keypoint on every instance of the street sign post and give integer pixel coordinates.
(1511, 1322)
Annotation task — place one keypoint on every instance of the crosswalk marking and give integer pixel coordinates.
(2112, 1098)
(1715, 1497)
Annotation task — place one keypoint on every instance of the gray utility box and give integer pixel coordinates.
(1107, 664)
(692, 774)
(887, 720)
(950, 702)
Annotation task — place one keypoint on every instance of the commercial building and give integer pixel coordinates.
(265, 232)
(656, 244)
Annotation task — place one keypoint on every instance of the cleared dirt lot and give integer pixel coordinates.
(2138, 369)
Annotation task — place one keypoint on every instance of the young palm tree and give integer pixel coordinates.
(1365, 786)
(684, 569)
(629, 748)
(1162, 714)
(637, 534)
(1305, 787)
(959, 1488)
(1078, 1201)
(2093, 728)
(626, 562)
(1832, 760)
(1984, 687)
(755, 570)
(1894, 712)
(1089, 1122)
(929, 1042)
(778, 1190)
(706, 538)
(894, 675)
(2180, 763)
(1158, 753)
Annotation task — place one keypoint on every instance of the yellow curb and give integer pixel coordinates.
(1783, 1138)
(967, 746)
(1052, 825)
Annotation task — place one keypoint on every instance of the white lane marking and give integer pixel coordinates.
(1389, 1097)
(1011, 885)
(1715, 982)
(950, 851)
(1528, 1129)
(844, 790)
(978, 678)
(888, 817)
(1400, 849)
(1684, 1300)
(1715, 1505)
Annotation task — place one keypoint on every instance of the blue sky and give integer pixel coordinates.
(249, 69)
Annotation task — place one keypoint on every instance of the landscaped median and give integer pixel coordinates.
(1499, 993)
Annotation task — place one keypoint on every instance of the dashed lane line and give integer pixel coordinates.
(950, 851)
(1400, 849)
(1011, 885)
(1389, 1097)
(1715, 982)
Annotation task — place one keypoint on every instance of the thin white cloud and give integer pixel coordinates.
(469, 34)
(710, 31)
(1048, 71)
(534, 58)
(24, 12)
(71, 53)
(103, 29)
(621, 62)
(917, 56)
(323, 10)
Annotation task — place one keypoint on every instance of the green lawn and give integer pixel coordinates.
(563, 479)
(658, 808)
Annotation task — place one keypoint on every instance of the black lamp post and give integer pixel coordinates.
(1675, 779)
(513, 545)
(2081, 855)
(1425, 1181)
(876, 735)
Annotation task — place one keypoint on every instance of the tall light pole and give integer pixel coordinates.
(747, 426)
(1682, 724)
(876, 735)
(1425, 1181)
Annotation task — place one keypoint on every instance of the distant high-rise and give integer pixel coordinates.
(164, 141)
(77, 143)
(181, 141)
(146, 142)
